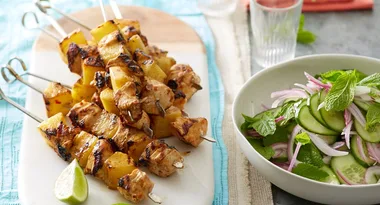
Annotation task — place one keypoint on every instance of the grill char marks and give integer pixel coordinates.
(74, 59)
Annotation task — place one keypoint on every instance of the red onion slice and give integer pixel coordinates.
(347, 116)
(279, 119)
(313, 87)
(284, 97)
(295, 131)
(373, 151)
(317, 82)
(309, 90)
(284, 165)
(280, 149)
(359, 143)
(265, 107)
(344, 178)
(293, 92)
(324, 147)
(374, 170)
(320, 106)
(347, 135)
(338, 145)
(357, 114)
(294, 158)
(366, 98)
(362, 90)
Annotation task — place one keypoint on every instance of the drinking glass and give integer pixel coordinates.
(274, 28)
(217, 8)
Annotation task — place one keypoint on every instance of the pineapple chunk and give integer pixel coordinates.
(106, 125)
(161, 126)
(57, 99)
(160, 56)
(165, 63)
(121, 23)
(103, 149)
(119, 77)
(104, 29)
(112, 45)
(149, 66)
(84, 143)
(89, 68)
(82, 92)
(116, 166)
(76, 37)
(135, 42)
(48, 128)
(137, 141)
(152, 70)
(106, 96)
(58, 135)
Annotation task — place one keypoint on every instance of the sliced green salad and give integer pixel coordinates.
(326, 130)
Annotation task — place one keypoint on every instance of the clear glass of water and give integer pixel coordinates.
(274, 28)
(217, 8)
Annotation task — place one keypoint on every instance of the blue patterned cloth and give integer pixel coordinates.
(16, 41)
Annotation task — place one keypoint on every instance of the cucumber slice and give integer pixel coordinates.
(332, 178)
(362, 104)
(309, 123)
(333, 119)
(291, 99)
(348, 170)
(355, 143)
(314, 103)
(367, 136)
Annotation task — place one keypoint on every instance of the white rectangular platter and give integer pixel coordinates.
(40, 166)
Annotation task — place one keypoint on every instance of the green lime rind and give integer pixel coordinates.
(71, 186)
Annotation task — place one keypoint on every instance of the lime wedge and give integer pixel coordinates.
(71, 186)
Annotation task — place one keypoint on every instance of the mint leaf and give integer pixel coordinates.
(302, 138)
(280, 135)
(266, 152)
(332, 75)
(360, 76)
(342, 92)
(310, 154)
(373, 116)
(265, 125)
(310, 171)
(288, 111)
(371, 81)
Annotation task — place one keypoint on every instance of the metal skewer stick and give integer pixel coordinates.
(103, 11)
(154, 198)
(19, 78)
(37, 25)
(209, 139)
(19, 107)
(115, 9)
(52, 21)
(45, 4)
(178, 165)
(151, 195)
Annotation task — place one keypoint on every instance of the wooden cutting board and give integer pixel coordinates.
(40, 166)
(161, 29)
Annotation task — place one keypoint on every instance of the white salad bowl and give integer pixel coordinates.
(256, 92)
